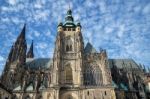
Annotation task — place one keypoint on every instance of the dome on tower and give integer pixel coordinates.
(69, 21)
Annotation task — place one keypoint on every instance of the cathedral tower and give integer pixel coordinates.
(68, 58)
(15, 62)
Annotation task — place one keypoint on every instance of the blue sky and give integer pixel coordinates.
(122, 27)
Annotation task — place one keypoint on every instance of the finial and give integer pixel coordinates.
(69, 5)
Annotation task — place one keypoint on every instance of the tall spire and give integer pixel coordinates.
(22, 34)
(17, 57)
(18, 51)
(30, 53)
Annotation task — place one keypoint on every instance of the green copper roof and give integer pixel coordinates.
(114, 84)
(69, 21)
(122, 86)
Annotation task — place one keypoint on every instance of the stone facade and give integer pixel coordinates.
(5, 93)
(74, 72)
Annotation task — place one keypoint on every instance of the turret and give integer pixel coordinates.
(30, 53)
(68, 53)
(60, 27)
(78, 28)
(69, 21)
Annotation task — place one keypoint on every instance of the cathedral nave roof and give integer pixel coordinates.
(39, 63)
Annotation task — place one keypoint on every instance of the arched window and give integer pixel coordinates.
(70, 48)
(49, 96)
(67, 48)
(27, 97)
(40, 97)
(69, 97)
(14, 97)
(93, 75)
(68, 74)
(69, 44)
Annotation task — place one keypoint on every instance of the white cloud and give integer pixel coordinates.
(116, 26)
(121, 30)
(1, 58)
(48, 33)
(146, 9)
(108, 29)
(38, 4)
(37, 34)
(41, 15)
(6, 19)
(41, 45)
(12, 2)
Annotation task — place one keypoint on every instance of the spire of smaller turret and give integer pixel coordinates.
(30, 53)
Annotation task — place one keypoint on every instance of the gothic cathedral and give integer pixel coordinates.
(74, 72)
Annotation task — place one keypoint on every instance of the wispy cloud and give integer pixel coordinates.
(121, 27)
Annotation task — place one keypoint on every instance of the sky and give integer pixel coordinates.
(122, 27)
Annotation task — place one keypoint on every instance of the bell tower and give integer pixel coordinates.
(68, 58)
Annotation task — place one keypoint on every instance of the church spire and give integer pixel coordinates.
(16, 60)
(30, 53)
(18, 51)
(22, 34)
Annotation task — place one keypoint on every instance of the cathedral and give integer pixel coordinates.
(76, 71)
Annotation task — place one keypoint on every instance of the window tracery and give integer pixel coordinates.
(93, 75)
(68, 74)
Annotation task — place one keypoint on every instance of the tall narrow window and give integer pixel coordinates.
(27, 97)
(70, 48)
(67, 48)
(68, 74)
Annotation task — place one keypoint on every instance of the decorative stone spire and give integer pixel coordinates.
(22, 34)
(18, 50)
(15, 62)
(30, 53)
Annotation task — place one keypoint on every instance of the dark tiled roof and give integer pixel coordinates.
(39, 63)
(89, 48)
(123, 63)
